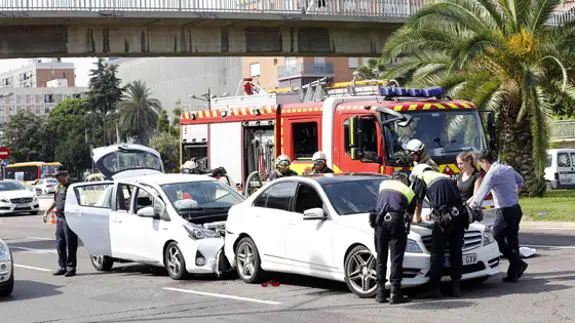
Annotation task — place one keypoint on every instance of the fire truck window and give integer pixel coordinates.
(369, 127)
(305, 139)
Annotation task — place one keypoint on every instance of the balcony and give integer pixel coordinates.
(301, 70)
(563, 130)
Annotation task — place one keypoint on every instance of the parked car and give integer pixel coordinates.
(15, 198)
(6, 270)
(46, 186)
(560, 168)
(142, 215)
(318, 226)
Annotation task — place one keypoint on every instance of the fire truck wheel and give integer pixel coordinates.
(248, 262)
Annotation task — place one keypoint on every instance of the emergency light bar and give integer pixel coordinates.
(412, 92)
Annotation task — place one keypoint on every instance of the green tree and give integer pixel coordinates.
(73, 130)
(168, 146)
(501, 55)
(24, 134)
(176, 112)
(163, 122)
(138, 112)
(372, 70)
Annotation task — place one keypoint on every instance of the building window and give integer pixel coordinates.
(353, 62)
(319, 60)
(48, 98)
(304, 139)
(255, 70)
(275, 61)
(291, 61)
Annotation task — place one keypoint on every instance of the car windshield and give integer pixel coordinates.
(354, 196)
(11, 186)
(443, 133)
(201, 195)
(127, 160)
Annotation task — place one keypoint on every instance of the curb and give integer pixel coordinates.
(547, 225)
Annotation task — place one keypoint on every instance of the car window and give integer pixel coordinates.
(573, 159)
(549, 160)
(563, 160)
(124, 197)
(94, 195)
(143, 199)
(307, 198)
(280, 195)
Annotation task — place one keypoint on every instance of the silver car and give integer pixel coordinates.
(6, 270)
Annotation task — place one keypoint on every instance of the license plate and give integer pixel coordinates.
(468, 259)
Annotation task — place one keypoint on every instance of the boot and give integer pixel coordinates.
(380, 297)
(397, 296)
(455, 288)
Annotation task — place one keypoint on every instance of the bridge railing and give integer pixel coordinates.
(562, 130)
(374, 8)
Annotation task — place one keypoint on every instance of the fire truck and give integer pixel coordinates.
(360, 126)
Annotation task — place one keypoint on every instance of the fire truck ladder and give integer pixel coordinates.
(322, 88)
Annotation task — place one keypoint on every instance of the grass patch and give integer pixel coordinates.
(556, 205)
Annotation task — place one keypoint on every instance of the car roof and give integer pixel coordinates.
(324, 179)
(162, 179)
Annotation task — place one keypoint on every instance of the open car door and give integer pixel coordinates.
(88, 206)
(127, 160)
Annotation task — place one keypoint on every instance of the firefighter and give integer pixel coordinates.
(391, 219)
(319, 164)
(416, 149)
(282, 168)
(449, 218)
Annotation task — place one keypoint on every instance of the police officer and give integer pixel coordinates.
(449, 223)
(66, 239)
(394, 210)
(319, 164)
(282, 168)
(416, 149)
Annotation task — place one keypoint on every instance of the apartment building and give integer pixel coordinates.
(38, 73)
(36, 100)
(284, 72)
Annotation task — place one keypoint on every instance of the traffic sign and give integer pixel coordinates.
(4, 153)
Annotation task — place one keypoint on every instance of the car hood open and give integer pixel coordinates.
(127, 160)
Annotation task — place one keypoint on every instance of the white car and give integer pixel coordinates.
(16, 198)
(6, 270)
(171, 220)
(319, 226)
(46, 186)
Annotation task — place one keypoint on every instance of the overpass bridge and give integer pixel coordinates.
(77, 28)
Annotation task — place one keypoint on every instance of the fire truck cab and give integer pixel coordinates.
(358, 133)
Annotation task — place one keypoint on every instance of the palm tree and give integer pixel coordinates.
(502, 55)
(138, 112)
(372, 70)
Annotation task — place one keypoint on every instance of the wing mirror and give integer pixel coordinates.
(147, 211)
(314, 214)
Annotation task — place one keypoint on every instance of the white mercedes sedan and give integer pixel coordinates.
(319, 226)
(6, 270)
(15, 198)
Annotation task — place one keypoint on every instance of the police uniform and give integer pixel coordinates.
(66, 239)
(394, 200)
(449, 223)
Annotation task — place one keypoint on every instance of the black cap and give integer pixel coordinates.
(61, 171)
(487, 155)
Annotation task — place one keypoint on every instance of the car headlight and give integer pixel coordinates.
(198, 232)
(4, 252)
(488, 237)
(412, 246)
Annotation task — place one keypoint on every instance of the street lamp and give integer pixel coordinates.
(104, 116)
(206, 97)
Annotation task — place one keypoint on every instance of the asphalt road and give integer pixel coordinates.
(135, 293)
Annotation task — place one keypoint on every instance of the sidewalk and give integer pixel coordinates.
(547, 225)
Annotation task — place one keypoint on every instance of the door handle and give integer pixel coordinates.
(116, 220)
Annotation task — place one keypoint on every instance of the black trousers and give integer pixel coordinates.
(66, 244)
(506, 232)
(452, 235)
(390, 236)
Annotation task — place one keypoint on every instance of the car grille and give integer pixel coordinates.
(21, 200)
(471, 240)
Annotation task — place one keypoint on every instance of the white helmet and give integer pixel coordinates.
(283, 159)
(189, 165)
(318, 156)
(418, 170)
(414, 145)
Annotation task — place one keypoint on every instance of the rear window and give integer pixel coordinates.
(563, 160)
(354, 196)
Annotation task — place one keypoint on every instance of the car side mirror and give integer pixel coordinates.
(314, 214)
(147, 211)
(160, 210)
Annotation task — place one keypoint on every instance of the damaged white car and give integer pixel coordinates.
(143, 215)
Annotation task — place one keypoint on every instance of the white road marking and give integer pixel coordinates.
(34, 250)
(546, 246)
(247, 299)
(40, 238)
(31, 267)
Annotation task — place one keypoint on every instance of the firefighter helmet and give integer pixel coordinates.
(414, 145)
(319, 156)
(418, 170)
(283, 160)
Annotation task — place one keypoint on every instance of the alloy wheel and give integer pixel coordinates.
(246, 260)
(361, 272)
(174, 261)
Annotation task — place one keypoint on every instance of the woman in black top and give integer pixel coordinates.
(469, 180)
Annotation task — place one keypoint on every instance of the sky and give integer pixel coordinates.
(83, 67)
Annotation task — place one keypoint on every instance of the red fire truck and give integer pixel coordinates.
(358, 130)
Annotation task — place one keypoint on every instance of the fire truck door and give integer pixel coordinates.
(360, 136)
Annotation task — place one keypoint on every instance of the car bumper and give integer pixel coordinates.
(229, 251)
(5, 271)
(208, 249)
(10, 208)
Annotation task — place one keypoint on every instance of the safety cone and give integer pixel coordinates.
(52, 217)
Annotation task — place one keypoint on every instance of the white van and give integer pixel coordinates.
(560, 168)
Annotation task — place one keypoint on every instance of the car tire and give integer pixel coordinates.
(360, 274)
(174, 262)
(7, 287)
(248, 261)
(102, 263)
